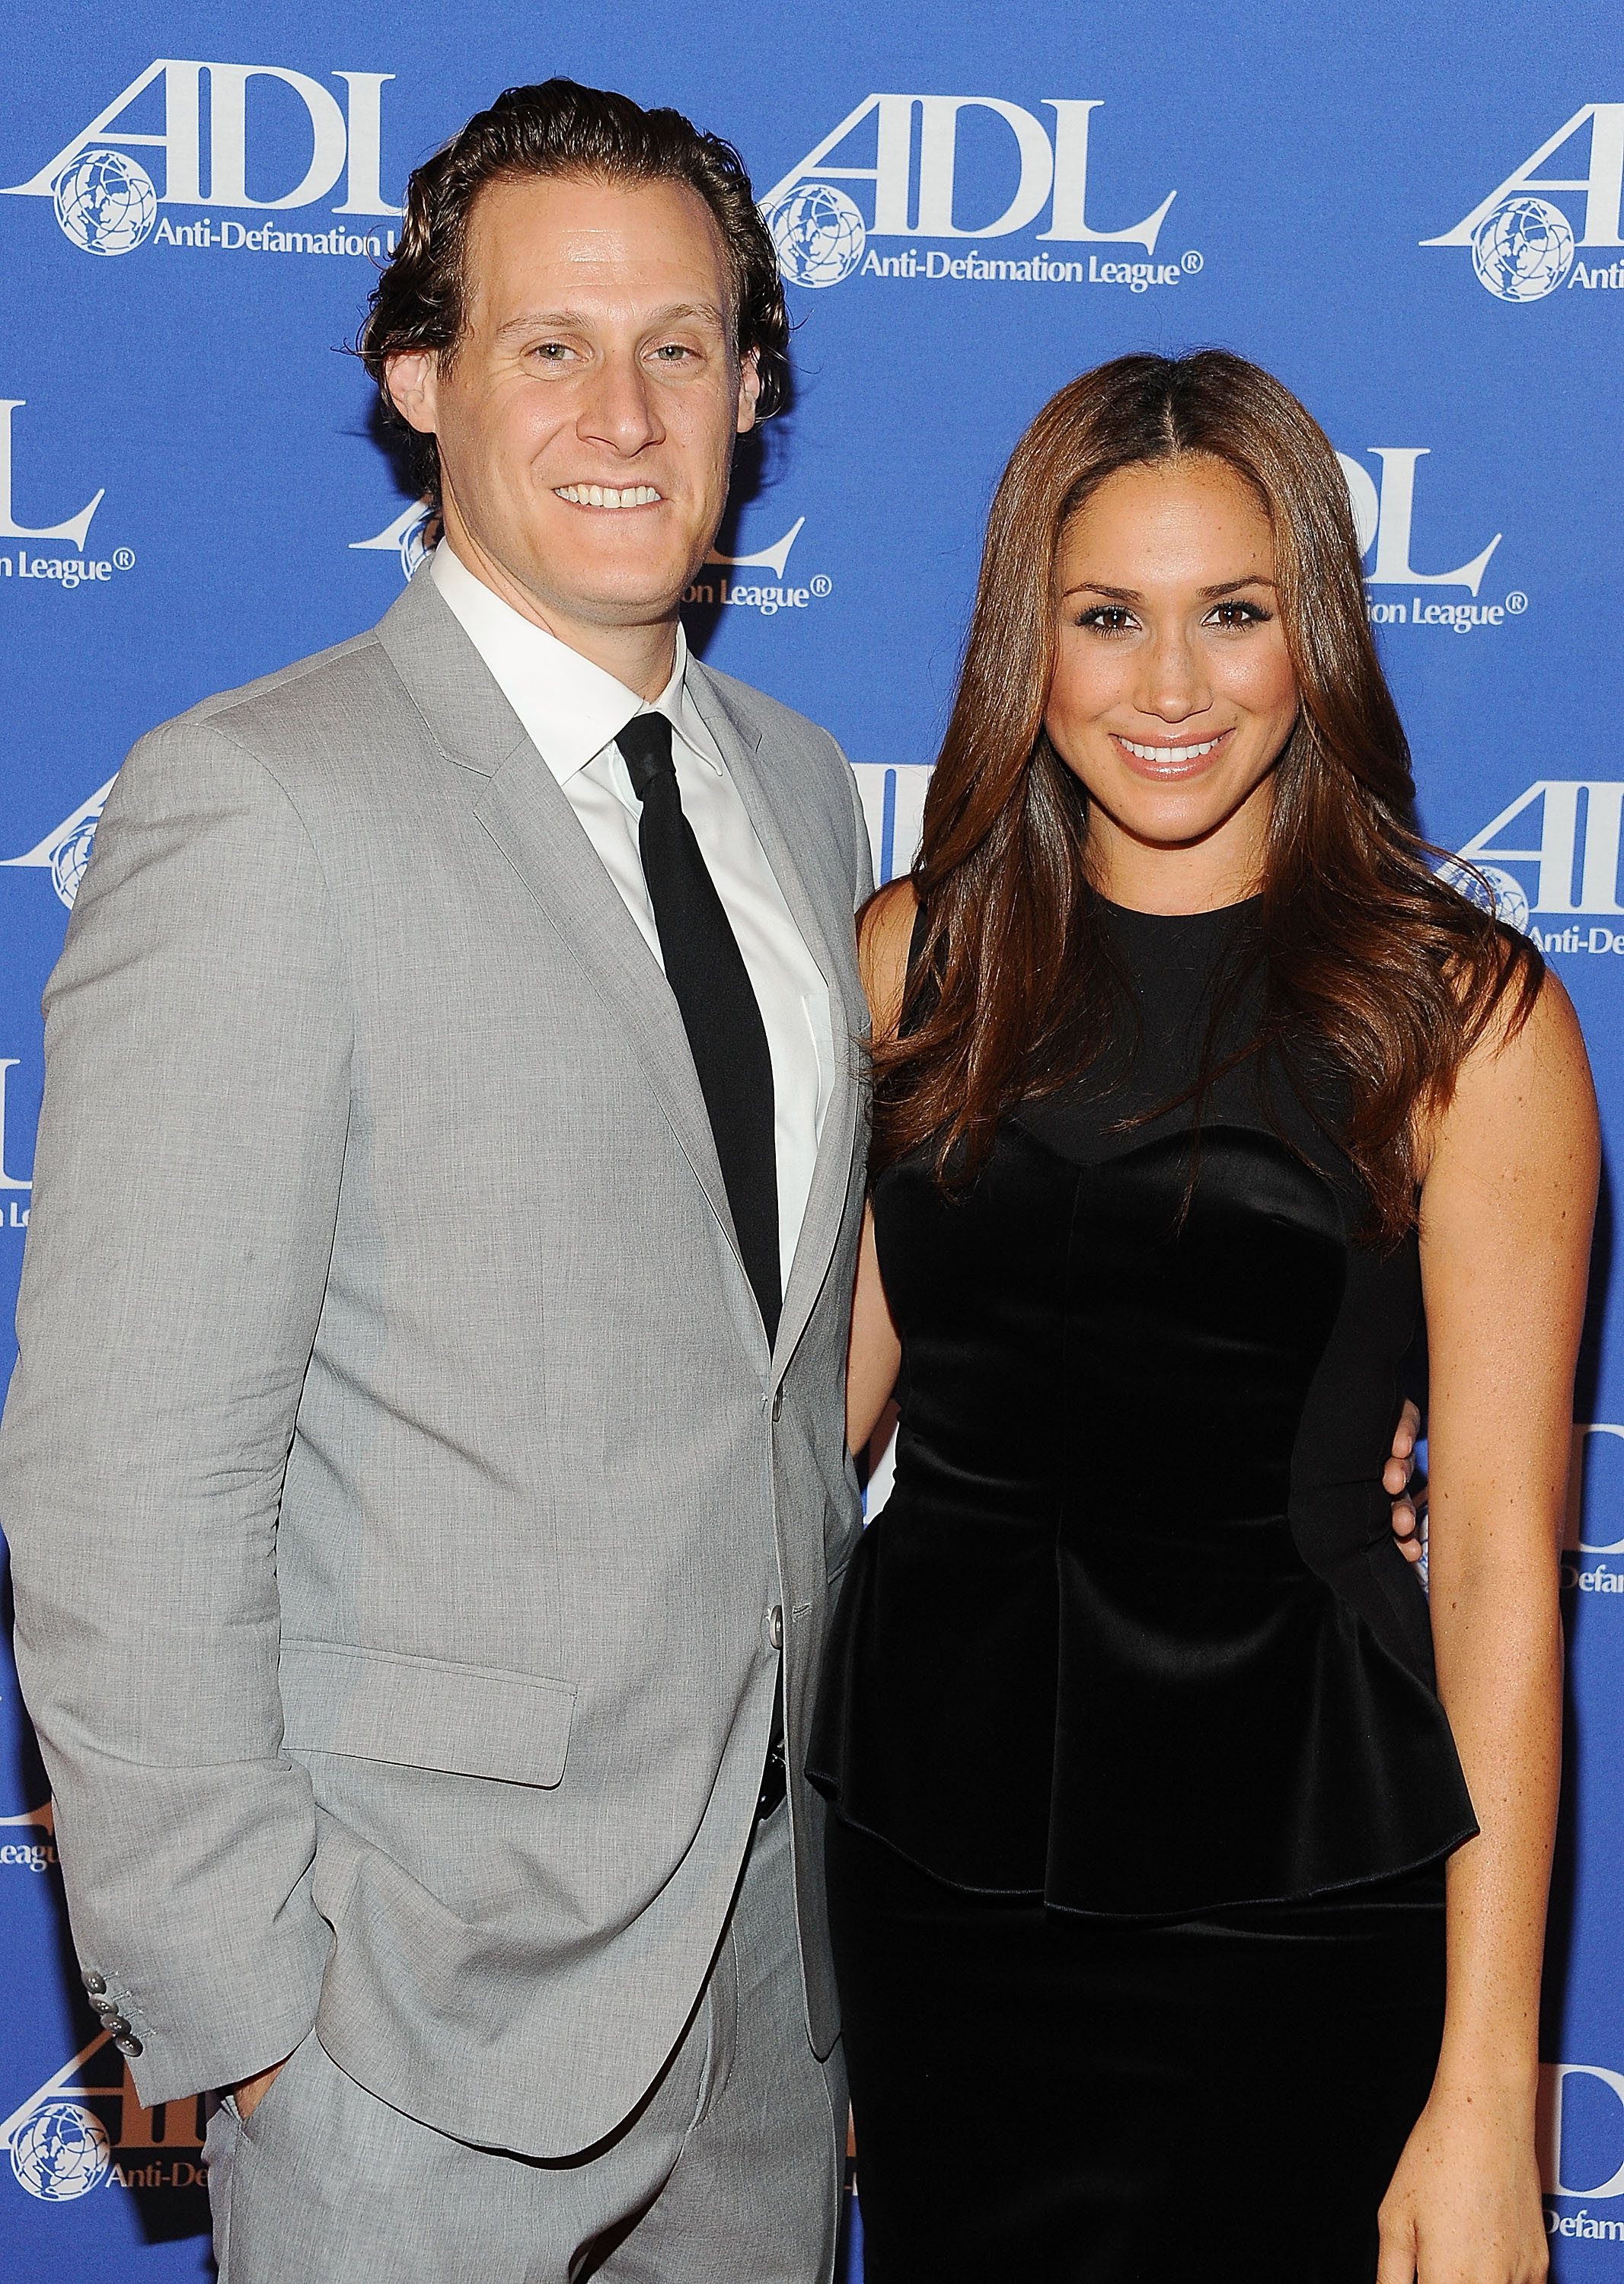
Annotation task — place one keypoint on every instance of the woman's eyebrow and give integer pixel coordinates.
(1133, 595)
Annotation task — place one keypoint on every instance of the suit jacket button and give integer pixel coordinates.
(92, 1982)
(105, 2005)
(778, 1402)
(131, 2046)
(775, 1626)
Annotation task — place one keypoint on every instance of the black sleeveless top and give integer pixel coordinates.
(1132, 1631)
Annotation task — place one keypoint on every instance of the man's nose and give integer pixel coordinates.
(618, 408)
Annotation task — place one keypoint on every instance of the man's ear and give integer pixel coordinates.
(749, 390)
(413, 377)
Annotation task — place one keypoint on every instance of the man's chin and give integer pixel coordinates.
(622, 597)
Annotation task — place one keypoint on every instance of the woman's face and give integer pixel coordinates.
(1173, 694)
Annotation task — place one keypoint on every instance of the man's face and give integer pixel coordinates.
(597, 365)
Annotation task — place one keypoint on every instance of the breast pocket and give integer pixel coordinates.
(425, 1712)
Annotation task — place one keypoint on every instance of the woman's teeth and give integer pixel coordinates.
(1169, 753)
(595, 495)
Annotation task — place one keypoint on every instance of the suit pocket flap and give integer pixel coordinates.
(424, 1713)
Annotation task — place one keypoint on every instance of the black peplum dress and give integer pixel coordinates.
(1142, 1788)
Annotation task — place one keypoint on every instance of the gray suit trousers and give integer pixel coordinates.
(729, 2169)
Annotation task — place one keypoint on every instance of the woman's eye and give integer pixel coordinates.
(1107, 619)
(1239, 615)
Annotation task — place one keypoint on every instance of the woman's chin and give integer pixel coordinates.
(1172, 826)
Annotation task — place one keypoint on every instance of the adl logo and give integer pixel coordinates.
(63, 2138)
(107, 203)
(1579, 829)
(63, 853)
(820, 234)
(1385, 517)
(1522, 245)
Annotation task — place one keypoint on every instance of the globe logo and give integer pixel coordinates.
(1492, 891)
(415, 543)
(819, 235)
(60, 2151)
(70, 858)
(1523, 250)
(105, 202)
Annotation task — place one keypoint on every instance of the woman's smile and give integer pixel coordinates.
(1164, 758)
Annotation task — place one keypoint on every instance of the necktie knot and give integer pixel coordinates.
(645, 747)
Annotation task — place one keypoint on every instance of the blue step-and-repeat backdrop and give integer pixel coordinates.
(1411, 213)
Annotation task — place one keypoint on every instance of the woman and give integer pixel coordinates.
(1188, 1915)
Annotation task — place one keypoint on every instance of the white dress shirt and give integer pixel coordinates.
(573, 712)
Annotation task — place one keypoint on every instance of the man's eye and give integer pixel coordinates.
(673, 352)
(552, 352)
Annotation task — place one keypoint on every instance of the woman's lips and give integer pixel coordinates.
(1185, 757)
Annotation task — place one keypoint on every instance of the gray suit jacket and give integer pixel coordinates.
(398, 1481)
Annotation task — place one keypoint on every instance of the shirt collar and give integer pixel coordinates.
(571, 709)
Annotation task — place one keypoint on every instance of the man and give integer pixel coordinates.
(424, 1469)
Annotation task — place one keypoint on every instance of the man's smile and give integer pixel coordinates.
(605, 496)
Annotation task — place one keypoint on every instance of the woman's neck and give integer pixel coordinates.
(1224, 868)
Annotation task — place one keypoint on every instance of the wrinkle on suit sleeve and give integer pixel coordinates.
(191, 1146)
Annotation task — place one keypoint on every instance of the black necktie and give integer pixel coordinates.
(707, 972)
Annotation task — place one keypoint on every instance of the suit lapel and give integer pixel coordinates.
(794, 853)
(524, 809)
(527, 815)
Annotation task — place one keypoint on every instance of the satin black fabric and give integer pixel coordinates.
(1131, 1633)
(1099, 2101)
(721, 1014)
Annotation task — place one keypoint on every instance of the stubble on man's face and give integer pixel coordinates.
(587, 420)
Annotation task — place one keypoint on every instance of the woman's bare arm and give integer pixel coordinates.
(1506, 1217)
(876, 1354)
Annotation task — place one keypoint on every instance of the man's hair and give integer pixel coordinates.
(558, 128)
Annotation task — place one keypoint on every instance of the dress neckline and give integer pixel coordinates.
(1247, 907)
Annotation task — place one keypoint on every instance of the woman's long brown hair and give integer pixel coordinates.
(1367, 955)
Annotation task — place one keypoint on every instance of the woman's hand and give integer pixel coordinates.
(1464, 2207)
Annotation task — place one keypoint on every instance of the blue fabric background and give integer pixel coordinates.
(192, 492)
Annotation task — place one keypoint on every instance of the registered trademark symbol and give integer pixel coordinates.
(1516, 602)
(822, 585)
(1191, 263)
(124, 559)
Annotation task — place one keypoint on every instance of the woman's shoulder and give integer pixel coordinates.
(1524, 1090)
(885, 941)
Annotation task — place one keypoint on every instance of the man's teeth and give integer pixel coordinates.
(595, 495)
(1169, 752)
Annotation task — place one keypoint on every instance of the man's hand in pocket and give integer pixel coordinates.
(248, 2092)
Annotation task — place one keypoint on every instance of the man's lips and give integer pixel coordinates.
(607, 496)
(1169, 757)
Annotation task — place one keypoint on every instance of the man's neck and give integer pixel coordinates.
(641, 656)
